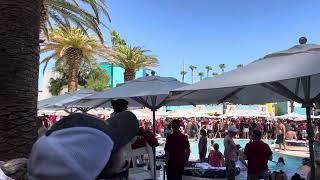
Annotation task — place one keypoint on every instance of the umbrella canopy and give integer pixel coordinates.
(245, 113)
(293, 74)
(265, 80)
(296, 117)
(293, 116)
(150, 91)
(61, 101)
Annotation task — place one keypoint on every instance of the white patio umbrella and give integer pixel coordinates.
(296, 117)
(293, 116)
(62, 101)
(150, 91)
(293, 74)
(244, 113)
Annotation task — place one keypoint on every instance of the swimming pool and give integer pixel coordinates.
(292, 162)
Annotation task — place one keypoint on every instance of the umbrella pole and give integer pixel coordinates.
(311, 139)
(154, 149)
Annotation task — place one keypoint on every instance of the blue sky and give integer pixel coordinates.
(211, 32)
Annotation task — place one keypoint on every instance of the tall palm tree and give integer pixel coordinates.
(200, 74)
(74, 47)
(183, 74)
(192, 68)
(208, 68)
(132, 59)
(19, 44)
(239, 65)
(64, 12)
(222, 67)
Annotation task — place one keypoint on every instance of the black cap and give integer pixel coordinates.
(121, 128)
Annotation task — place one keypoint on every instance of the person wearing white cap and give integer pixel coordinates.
(230, 152)
(83, 147)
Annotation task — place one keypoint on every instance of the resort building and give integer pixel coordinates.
(116, 74)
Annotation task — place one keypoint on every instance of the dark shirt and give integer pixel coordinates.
(258, 154)
(176, 145)
(202, 145)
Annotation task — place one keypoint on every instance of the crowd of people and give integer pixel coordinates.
(254, 156)
(217, 128)
(78, 134)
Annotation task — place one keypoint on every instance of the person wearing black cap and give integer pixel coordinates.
(177, 151)
(83, 147)
(118, 106)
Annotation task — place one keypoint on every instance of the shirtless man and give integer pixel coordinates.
(281, 131)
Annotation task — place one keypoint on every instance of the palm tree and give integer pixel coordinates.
(239, 65)
(215, 74)
(200, 74)
(183, 74)
(63, 12)
(208, 68)
(192, 68)
(132, 59)
(116, 40)
(222, 67)
(74, 47)
(19, 44)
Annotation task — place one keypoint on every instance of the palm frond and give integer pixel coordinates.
(62, 38)
(47, 60)
(62, 12)
(56, 18)
(133, 58)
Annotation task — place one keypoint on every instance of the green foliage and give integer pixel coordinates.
(97, 80)
(222, 67)
(57, 85)
(117, 40)
(215, 74)
(66, 12)
(183, 73)
(133, 58)
(192, 67)
(62, 39)
(90, 76)
(200, 74)
(208, 68)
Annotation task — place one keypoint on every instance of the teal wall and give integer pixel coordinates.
(299, 109)
(116, 74)
(281, 108)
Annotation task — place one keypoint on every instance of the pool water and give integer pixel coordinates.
(292, 162)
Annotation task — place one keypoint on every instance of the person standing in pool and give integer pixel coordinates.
(281, 131)
(177, 151)
(257, 153)
(202, 145)
(230, 152)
